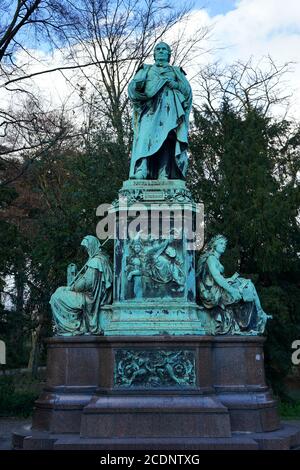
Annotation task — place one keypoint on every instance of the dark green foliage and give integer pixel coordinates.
(73, 184)
(57, 201)
(14, 402)
(16, 344)
(244, 169)
(289, 410)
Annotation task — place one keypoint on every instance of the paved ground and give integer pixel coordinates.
(7, 427)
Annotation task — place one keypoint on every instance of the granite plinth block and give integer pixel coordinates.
(239, 381)
(285, 438)
(72, 378)
(189, 395)
(169, 391)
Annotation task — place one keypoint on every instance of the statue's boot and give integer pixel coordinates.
(164, 158)
(163, 168)
(141, 171)
(162, 174)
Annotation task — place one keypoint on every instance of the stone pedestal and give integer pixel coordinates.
(239, 381)
(186, 393)
(156, 387)
(156, 378)
(154, 261)
(151, 318)
(72, 379)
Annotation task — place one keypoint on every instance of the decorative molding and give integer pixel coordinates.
(154, 368)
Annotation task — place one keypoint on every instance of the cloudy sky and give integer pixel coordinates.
(240, 29)
(257, 28)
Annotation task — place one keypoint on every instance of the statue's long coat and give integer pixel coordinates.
(158, 110)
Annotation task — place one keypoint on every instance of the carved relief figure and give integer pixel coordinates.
(164, 265)
(135, 268)
(150, 369)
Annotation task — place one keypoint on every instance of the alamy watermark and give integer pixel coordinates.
(296, 353)
(2, 352)
(152, 221)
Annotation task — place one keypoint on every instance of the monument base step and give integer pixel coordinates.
(285, 438)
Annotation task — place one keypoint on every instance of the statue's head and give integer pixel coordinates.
(216, 244)
(162, 52)
(219, 243)
(91, 244)
(171, 252)
(137, 247)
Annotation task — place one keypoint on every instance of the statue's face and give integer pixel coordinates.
(161, 53)
(221, 246)
(84, 243)
(137, 248)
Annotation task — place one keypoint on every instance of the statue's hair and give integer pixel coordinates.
(169, 48)
(208, 250)
(212, 243)
(135, 242)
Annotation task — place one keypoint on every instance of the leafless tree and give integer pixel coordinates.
(261, 86)
(104, 40)
(23, 23)
(24, 14)
(244, 84)
(117, 36)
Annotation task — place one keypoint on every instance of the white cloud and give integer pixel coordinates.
(53, 87)
(257, 28)
(253, 28)
(260, 26)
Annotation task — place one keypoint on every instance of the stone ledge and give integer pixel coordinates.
(288, 437)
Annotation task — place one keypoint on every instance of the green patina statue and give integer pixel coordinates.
(162, 100)
(164, 265)
(233, 302)
(156, 286)
(154, 264)
(76, 307)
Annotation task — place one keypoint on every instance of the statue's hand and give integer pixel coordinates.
(140, 85)
(172, 84)
(66, 288)
(235, 294)
(234, 277)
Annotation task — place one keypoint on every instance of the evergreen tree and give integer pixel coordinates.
(243, 177)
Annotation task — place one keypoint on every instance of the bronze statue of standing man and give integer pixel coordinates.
(162, 100)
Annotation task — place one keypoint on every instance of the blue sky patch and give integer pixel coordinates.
(216, 7)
